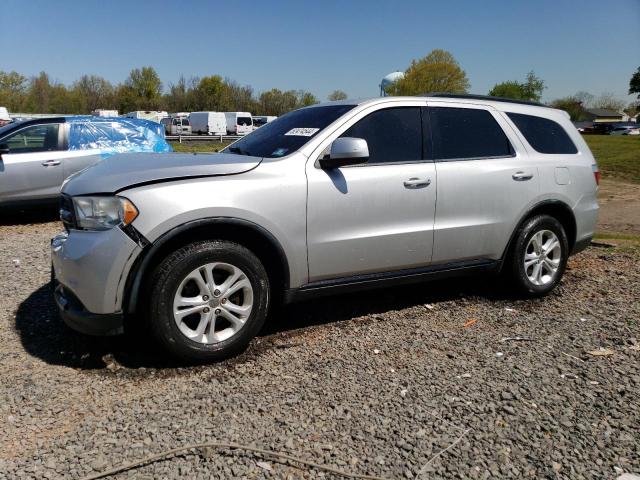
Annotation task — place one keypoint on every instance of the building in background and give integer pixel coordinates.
(597, 115)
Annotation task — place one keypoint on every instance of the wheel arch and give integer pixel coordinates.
(555, 208)
(251, 235)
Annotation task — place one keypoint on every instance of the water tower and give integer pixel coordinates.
(389, 80)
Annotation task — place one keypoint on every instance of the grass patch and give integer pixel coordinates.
(617, 236)
(617, 156)
(198, 147)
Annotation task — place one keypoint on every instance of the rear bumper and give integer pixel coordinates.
(76, 316)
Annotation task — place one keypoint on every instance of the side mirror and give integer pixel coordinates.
(4, 148)
(346, 151)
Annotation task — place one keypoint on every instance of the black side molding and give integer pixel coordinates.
(387, 279)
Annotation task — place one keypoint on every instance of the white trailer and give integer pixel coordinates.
(104, 113)
(239, 123)
(153, 115)
(209, 123)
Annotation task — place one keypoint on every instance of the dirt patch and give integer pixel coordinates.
(619, 207)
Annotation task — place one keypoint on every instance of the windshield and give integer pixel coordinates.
(288, 133)
(244, 121)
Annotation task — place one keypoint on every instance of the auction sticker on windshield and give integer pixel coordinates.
(302, 132)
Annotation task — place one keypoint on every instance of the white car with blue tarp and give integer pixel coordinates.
(36, 156)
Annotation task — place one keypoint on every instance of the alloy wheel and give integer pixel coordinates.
(212, 303)
(542, 257)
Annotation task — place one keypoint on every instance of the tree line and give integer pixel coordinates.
(439, 71)
(142, 90)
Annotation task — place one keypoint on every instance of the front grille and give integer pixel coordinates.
(67, 212)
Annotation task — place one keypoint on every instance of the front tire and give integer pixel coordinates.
(208, 300)
(539, 256)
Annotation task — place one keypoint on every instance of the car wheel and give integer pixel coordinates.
(539, 255)
(208, 300)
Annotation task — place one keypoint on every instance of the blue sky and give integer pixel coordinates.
(325, 45)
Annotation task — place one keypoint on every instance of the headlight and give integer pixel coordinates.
(103, 213)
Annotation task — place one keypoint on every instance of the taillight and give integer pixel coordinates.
(596, 173)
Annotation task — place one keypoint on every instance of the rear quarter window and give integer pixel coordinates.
(544, 135)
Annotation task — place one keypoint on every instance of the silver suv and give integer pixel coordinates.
(343, 195)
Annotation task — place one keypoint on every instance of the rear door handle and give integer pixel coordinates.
(51, 163)
(522, 176)
(415, 182)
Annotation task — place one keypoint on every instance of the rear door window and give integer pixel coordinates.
(392, 135)
(466, 133)
(544, 135)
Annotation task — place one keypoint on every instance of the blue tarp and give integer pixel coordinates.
(112, 135)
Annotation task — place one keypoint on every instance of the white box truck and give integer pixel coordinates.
(208, 123)
(239, 123)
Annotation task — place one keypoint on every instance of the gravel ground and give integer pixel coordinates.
(376, 383)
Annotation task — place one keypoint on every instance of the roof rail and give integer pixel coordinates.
(483, 97)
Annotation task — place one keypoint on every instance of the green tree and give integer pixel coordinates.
(634, 83)
(208, 93)
(530, 89)
(337, 95)
(305, 99)
(276, 102)
(39, 94)
(46, 96)
(125, 99)
(143, 89)
(237, 98)
(92, 92)
(509, 89)
(573, 106)
(533, 87)
(437, 72)
(13, 87)
(182, 95)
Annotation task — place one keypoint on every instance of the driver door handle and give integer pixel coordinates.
(415, 182)
(522, 176)
(51, 163)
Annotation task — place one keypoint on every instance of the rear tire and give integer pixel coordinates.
(539, 256)
(207, 300)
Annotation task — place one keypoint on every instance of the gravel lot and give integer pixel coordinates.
(376, 383)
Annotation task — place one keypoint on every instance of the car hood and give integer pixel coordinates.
(130, 169)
